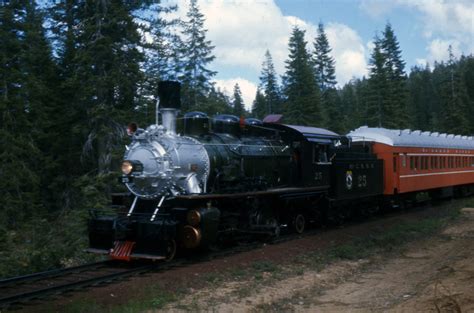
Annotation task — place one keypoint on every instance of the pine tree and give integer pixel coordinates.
(196, 55)
(269, 86)
(238, 107)
(18, 150)
(388, 90)
(453, 97)
(108, 68)
(216, 102)
(158, 42)
(349, 103)
(259, 105)
(353, 97)
(379, 110)
(42, 98)
(324, 69)
(160, 46)
(69, 116)
(395, 69)
(324, 64)
(466, 68)
(423, 103)
(299, 86)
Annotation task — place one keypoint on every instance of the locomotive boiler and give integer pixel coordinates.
(226, 177)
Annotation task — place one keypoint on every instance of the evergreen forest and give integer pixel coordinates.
(74, 73)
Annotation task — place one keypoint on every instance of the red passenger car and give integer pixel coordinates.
(416, 161)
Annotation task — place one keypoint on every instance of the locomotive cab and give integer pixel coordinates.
(310, 162)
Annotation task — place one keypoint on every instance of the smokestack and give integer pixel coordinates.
(169, 93)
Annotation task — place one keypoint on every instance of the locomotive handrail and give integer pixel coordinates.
(253, 193)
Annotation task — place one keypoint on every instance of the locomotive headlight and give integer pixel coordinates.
(127, 167)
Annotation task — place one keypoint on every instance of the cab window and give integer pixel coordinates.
(320, 154)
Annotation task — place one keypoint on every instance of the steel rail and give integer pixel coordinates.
(22, 297)
(4, 283)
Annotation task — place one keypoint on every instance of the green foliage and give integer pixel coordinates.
(161, 48)
(454, 100)
(44, 242)
(393, 237)
(378, 106)
(238, 107)
(259, 105)
(325, 73)
(423, 104)
(302, 105)
(20, 168)
(269, 86)
(353, 97)
(395, 67)
(195, 54)
(324, 64)
(388, 95)
(264, 266)
(216, 102)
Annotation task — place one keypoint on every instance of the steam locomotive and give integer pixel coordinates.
(228, 177)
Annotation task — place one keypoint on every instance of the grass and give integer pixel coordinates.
(154, 298)
(394, 237)
(238, 273)
(264, 272)
(264, 266)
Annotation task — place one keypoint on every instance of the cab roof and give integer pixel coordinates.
(313, 134)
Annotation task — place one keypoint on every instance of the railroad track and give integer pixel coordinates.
(19, 290)
(22, 289)
(26, 288)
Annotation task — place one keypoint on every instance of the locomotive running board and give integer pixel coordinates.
(147, 256)
(253, 193)
(132, 256)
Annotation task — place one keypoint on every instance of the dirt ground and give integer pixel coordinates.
(432, 275)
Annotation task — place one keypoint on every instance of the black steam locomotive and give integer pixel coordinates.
(225, 177)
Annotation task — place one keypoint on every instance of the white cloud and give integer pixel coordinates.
(439, 16)
(242, 30)
(447, 23)
(377, 8)
(444, 22)
(348, 50)
(438, 49)
(370, 46)
(421, 62)
(247, 88)
(449, 18)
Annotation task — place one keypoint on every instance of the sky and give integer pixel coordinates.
(242, 30)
